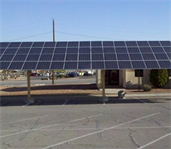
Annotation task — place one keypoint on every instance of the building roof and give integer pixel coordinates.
(85, 55)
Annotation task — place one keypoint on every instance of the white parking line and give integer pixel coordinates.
(144, 146)
(84, 118)
(96, 132)
(24, 120)
(100, 128)
(65, 102)
(142, 101)
(47, 126)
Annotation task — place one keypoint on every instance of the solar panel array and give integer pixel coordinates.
(85, 55)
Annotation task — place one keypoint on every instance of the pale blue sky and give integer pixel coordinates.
(91, 19)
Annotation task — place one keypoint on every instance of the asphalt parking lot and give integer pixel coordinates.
(84, 123)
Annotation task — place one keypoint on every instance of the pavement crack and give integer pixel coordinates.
(157, 123)
(25, 135)
(132, 138)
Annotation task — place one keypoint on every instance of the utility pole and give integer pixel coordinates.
(53, 73)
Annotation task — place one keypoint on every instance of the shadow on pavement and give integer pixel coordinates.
(79, 99)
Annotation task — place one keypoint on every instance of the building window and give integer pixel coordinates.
(138, 73)
(169, 72)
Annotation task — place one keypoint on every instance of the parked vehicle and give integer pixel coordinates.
(73, 74)
(87, 74)
(34, 75)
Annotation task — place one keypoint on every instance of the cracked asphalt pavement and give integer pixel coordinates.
(92, 125)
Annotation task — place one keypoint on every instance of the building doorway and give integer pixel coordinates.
(112, 77)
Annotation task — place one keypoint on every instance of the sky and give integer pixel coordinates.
(85, 20)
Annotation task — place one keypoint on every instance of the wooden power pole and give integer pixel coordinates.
(53, 73)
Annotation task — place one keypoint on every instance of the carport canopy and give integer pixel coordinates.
(80, 55)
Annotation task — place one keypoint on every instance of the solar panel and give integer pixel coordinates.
(84, 44)
(96, 44)
(20, 58)
(14, 44)
(135, 56)
(35, 50)
(84, 57)
(119, 44)
(71, 57)
(169, 55)
(108, 43)
(84, 65)
(167, 49)
(16, 65)
(33, 57)
(138, 64)
(4, 65)
(38, 44)
(152, 64)
(148, 56)
(72, 44)
(72, 50)
(154, 43)
(145, 50)
(10, 51)
(2, 50)
(125, 64)
(111, 65)
(57, 65)
(165, 64)
(84, 50)
(47, 50)
(26, 44)
(97, 57)
(161, 56)
(142, 43)
(58, 57)
(133, 50)
(157, 49)
(109, 50)
(98, 65)
(4, 44)
(50, 44)
(29, 65)
(121, 50)
(61, 44)
(131, 43)
(60, 50)
(123, 56)
(7, 57)
(23, 50)
(46, 57)
(43, 65)
(165, 43)
(70, 65)
(79, 55)
(110, 56)
(96, 50)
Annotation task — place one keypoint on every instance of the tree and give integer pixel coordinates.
(159, 78)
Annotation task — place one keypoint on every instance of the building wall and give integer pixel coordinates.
(132, 81)
(128, 80)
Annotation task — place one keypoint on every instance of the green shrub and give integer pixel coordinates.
(159, 78)
(147, 88)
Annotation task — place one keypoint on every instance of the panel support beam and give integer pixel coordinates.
(28, 84)
(53, 77)
(29, 99)
(103, 83)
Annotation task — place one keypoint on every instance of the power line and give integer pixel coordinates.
(83, 35)
(29, 36)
